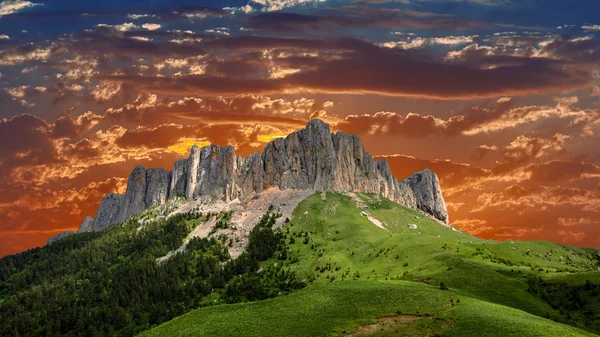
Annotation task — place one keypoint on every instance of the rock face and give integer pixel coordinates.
(58, 237)
(135, 195)
(427, 194)
(158, 182)
(310, 159)
(108, 213)
(86, 225)
(178, 179)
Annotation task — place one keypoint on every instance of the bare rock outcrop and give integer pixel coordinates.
(427, 194)
(108, 213)
(58, 237)
(178, 179)
(135, 195)
(158, 182)
(310, 159)
(86, 225)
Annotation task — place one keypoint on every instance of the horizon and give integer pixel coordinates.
(500, 99)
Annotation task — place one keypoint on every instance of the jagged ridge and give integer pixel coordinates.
(312, 158)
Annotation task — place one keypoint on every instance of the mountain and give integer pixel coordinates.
(252, 247)
(310, 159)
(311, 237)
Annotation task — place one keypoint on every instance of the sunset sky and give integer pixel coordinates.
(501, 98)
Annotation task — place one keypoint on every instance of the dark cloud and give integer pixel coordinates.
(384, 71)
(360, 17)
(250, 42)
(82, 150)
(68, 127)
(24, 140)
(176, 12)
(398, 73)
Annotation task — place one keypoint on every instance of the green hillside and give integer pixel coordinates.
(356, 265)
(369, 281)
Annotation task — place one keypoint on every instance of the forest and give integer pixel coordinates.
(110, 283)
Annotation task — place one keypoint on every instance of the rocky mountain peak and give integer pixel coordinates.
(310, 159)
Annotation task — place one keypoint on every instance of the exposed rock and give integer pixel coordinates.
(310, 159)
(108, 213)
(191, 172)
(58, 237)
(427, 194)
(412, 226)
(135, 196)
(86, 224)
(178, 185)
(157, 186)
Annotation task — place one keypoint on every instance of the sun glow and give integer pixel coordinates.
(185, 144)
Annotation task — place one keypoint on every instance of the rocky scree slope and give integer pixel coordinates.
(310, 159)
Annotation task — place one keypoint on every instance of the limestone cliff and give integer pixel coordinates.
(312, 159)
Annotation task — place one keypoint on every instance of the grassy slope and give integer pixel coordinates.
(372, 271)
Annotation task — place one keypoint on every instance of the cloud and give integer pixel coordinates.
(24, 140)
(277, 5)
(122, 27)
(560, 171)
(359, 17)
(166, 13)
(414, 125)
(151, 26)
(573, 222)
(578, 119)
(521, 151)
(538, 198)
(375, 71)
(420, 42)
(218, 31)
(309, 65)
(8, 7)
(28, 217)
(68, 127)
(591, 27)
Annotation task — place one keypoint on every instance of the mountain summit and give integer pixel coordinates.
(313, 158)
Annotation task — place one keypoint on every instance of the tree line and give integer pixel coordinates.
(110, 283)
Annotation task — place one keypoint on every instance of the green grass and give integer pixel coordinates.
(361, 272)
(339, 308)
